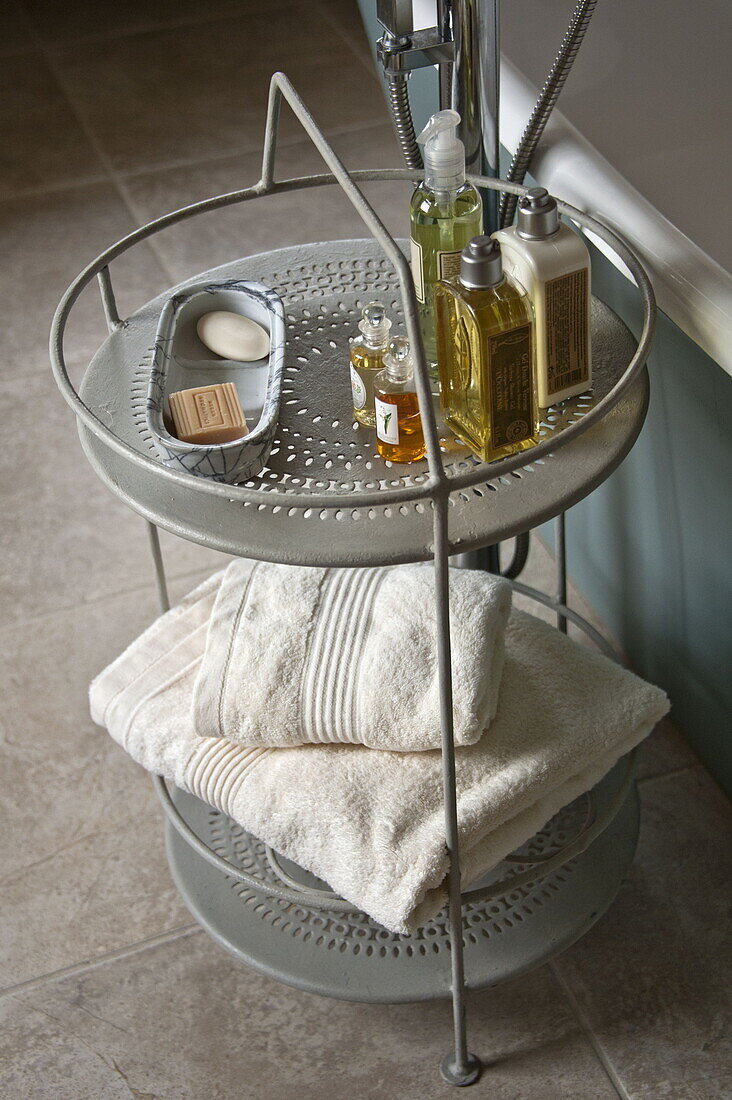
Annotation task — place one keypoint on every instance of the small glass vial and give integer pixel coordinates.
(367, 359)
(485, 339)
(399, 435)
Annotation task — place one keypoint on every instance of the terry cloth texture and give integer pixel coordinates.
(369, 822)
(300, 656)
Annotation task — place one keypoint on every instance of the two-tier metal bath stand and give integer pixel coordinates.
(326, 498)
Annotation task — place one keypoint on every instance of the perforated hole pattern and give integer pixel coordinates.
(319, 447)
(359, 934)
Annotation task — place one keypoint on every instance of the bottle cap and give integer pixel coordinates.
(538, 216)
(481, 265)
(444, 152)
(398, 360)
(374, 325)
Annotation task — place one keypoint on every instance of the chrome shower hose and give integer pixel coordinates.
(402, 117)
(545, 104)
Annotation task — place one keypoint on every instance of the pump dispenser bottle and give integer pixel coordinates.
(445, 213)
(552, 264)
(367, 359)
(485, 336)
(399, 435)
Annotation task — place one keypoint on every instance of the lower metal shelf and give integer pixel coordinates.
(350, 957)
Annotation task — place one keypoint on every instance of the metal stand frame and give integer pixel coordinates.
(460, 1067)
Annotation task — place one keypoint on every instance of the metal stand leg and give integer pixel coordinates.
(459, 1067)
(162, 583)
(560, 549)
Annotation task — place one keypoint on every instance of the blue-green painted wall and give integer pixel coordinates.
(651, 547)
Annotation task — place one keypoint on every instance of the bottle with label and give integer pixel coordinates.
(367, 359)
(552, 264)
(445, 213)
(485, 332)
(399, 435)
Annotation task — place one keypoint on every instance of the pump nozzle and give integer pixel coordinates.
(444, 152)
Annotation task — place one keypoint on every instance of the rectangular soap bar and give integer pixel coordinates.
(208, 414)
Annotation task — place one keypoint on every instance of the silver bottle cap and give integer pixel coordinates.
(537, 215)
(481, 265)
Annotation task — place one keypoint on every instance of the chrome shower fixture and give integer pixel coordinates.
(464, 45)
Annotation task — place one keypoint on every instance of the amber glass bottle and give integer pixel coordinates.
(399, 435)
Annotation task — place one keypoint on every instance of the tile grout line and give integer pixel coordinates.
(118, 179)
(126, 952)
(104, 176)
(100, 151)
(282, 143)
(91, 180)
(588, 1032)
(27, 620)
(98, 38)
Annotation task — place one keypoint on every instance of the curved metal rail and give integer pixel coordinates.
(437, 483)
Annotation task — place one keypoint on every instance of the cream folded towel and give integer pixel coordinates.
(299, 655)
(370, 823)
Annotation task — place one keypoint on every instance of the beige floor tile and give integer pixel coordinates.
(96, 19)
(83, 870)
(718, 1089)
(191, 93)
(665, 751)
(346, 17)
(653, 976)
(66, 540)
(45, 241)
(183, 1020)
(276, 221)
(43, 144)
(16, 35)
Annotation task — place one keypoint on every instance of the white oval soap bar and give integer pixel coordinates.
(232, 336)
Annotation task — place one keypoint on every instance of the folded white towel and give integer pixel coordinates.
(299, 655)
(371, 823)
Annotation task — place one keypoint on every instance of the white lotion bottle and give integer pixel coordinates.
(552, 264)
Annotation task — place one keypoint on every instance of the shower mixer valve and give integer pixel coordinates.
(463, 44)
(416, 50)
(402, 48)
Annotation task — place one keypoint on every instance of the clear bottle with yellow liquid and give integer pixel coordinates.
(445, 213)
(367, 359)
(485, 333)
(399, 435)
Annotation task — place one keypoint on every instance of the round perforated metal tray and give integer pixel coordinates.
(320, 449)
(350, 957)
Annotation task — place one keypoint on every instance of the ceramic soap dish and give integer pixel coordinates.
(181, 361)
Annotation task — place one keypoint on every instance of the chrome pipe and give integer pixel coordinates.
(475, 27)
(465, 46)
